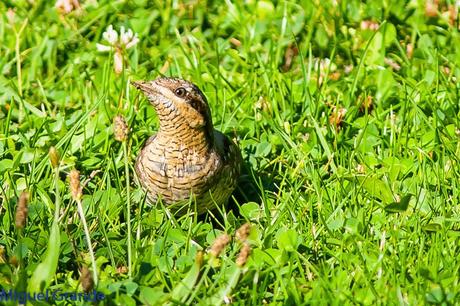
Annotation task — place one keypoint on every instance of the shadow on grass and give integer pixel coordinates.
(251, 187)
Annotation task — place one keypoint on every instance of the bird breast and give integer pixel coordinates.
(174, 172)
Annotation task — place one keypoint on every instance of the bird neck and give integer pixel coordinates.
(183, 136)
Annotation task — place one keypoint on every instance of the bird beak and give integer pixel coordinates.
(146, 87)
(142, 85)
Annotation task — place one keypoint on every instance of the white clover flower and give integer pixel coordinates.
(125, 37)
(125, 40)
(133, 42)
(118, 43)
(110, 35)
(103, 48)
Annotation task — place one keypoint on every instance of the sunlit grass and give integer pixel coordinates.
(347, 116)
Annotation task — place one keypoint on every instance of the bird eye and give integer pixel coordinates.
(180, 92)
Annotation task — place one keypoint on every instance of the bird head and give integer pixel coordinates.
(174, 97)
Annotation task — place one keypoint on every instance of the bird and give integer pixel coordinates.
(187, 161)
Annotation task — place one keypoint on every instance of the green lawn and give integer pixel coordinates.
(347, 115)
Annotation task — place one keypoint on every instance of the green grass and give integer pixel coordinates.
(355, 207)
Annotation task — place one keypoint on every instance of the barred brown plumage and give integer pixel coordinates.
(187, 159)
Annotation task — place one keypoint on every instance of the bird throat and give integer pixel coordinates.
(184, 139)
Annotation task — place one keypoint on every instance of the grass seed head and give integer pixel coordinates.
(86, 279)
(122, 270)
(242, 233)
(291, 52)
(54, 157)
(337, 116)
(75, 186)
(367, 103)
(22, 210)
(120, 128)
(219, 245)
(243, 255)
(235, 42)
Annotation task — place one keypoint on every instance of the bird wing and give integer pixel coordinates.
(231, 157)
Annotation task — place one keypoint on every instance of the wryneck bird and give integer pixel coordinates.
(187, 161)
